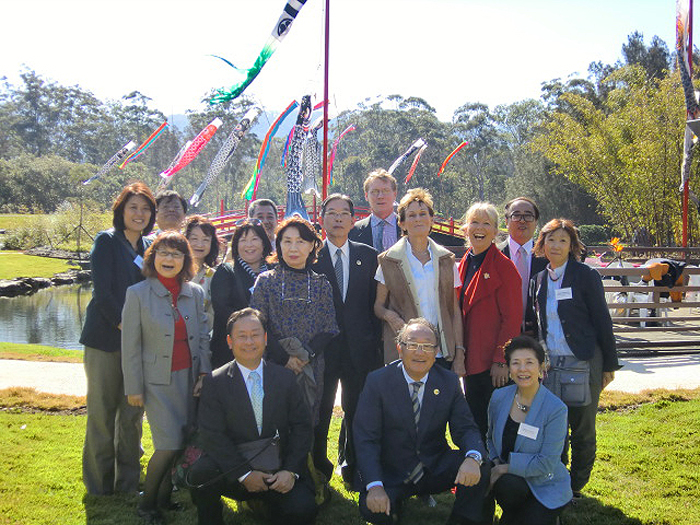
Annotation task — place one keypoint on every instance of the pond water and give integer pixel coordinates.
(53, 316)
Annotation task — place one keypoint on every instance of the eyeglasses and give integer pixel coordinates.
(172, 255)
(428, 348)
(385, 191)
(249, 220)
(527, 217)
(338, 215)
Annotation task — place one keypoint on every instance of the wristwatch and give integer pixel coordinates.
(476, 457)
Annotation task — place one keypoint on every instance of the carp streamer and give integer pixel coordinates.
(119, 155)
(146, 144)
(415, 163)
(449, 157)
(284, 24)
(189, 151)
(225, 153)
(251, 188)
(410, 151)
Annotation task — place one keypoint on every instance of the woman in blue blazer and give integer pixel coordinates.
(113, 432)
(525, 439)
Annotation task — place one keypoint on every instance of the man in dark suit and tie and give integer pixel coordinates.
(521, 219)
(244, 401)
(356, 351)
(381, 229)
(400, 426)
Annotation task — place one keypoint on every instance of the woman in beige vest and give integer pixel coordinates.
(417, 278)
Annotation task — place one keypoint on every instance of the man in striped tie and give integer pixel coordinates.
(399, 430)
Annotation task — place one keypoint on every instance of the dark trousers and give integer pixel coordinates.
(519, 505)
(469, 501)
(337, 370)
(478, 389)
(582, 426)
(296, 507)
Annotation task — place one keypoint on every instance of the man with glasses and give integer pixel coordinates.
(521, 220)
(380, 230)
(399, 430)
(350, 267)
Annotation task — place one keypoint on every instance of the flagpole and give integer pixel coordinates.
(686, 183)
(325, 105)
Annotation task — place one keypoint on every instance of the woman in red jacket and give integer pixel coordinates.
(492, 310)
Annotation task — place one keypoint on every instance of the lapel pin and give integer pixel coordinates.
(487, 276)
(436, 392)
(358, 262)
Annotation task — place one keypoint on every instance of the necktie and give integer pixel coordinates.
(521, 265)
(417, 472)
(379, 236)
(415, 401)
(339, 271)
(256, 398)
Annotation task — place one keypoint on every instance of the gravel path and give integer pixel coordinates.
(639, 373)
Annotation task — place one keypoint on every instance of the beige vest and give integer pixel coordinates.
(403, 297)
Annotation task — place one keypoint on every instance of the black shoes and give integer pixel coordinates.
(151, 516)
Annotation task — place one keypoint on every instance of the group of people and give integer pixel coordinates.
(510, 347)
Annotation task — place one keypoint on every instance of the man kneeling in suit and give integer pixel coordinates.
(399, 430)
(244, 401)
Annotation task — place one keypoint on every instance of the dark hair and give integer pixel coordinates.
(245, 312)
(166, 195)
(198, 221)
(258, 230)
(176, 241)
(337, 196)
(529, 201)
(137, 188)
(577, 248)
(262, 202)
(524, 342)
(420, 321)
(306, 232)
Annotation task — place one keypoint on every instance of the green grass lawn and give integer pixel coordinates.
(15, 264)
(647, 472)
(29, 352)
(12, 221)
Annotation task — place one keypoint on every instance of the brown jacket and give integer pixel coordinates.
(403, 298)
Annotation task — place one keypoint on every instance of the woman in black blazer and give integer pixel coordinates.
(574, 322)
(112, 437)
(232, 282)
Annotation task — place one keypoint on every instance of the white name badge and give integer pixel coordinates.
(138, 261)
(563, 294)
(528, 431)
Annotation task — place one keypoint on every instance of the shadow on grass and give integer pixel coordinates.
(590, 511)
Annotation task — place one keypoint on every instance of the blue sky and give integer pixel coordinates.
(448, 52)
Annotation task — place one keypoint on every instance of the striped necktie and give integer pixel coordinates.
(339, 271)
(418, 471)
(379, 236)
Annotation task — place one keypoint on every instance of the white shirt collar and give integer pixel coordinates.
(246, 371)
(410, 380)
(514, 246)
(333, 249)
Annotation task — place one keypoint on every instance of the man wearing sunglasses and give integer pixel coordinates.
(400, 427)
(521, 220)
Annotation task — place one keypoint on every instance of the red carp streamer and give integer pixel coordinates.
(449, 157)
(415, 163)
(190, 151)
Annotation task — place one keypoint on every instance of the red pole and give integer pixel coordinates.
(686, 184)
(325, 106)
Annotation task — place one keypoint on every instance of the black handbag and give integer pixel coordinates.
(261, 454)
